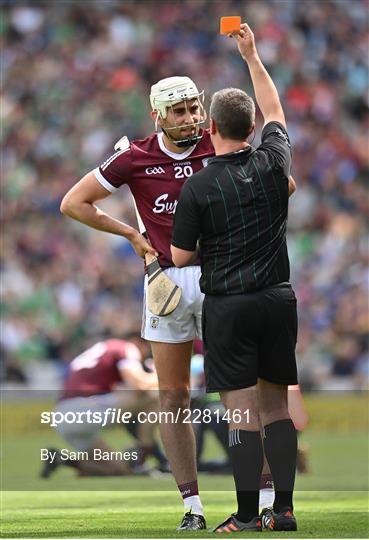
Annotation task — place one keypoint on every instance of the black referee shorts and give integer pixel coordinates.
(247, 336)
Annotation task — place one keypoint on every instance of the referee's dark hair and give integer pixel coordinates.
(233, 112)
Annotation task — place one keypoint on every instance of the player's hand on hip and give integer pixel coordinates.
(245, 41)
(142, 246)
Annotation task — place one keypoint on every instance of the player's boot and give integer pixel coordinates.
(192, 522)
(278, 521)
(232, 524)
(50, 466)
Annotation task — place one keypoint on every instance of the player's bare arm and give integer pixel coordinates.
(138, 379)
(182, 257)
(266, 93)
(79, 204)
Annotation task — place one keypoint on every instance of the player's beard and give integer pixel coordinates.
(185, 136)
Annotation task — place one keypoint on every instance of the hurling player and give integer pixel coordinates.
(155, 169)
(91, 385)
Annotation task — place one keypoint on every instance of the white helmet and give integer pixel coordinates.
(170, 91)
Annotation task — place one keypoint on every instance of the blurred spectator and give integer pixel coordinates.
(76, 80)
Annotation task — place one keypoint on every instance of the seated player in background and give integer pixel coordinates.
(92, 384)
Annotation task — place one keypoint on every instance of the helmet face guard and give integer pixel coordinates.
(171, 91)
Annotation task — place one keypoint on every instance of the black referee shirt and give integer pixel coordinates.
(237, 207)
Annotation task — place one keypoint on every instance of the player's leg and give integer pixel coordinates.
(171, 339)
(103, 461)
(296, 407)
(172, 361)
(136, 402)
(266, 498)
(300, 418)
(156, 451)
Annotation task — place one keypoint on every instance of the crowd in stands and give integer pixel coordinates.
(76, 78)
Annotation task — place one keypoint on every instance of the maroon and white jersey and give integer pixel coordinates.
(98, 369)
(155, 176)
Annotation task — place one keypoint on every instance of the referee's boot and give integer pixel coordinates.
(192, 522)
(278, 521)
(233, 525)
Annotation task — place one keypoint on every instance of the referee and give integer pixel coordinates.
(237, 208)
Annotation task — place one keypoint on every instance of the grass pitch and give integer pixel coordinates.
(102, 514)
(330, 502)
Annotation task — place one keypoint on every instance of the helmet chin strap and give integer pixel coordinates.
(183, 143)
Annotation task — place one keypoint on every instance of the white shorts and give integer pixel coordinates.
(184, 323)
(83, 435)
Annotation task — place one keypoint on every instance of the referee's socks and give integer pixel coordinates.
(280, 446)
(246, 453)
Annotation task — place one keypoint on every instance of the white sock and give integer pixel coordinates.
(266, 498)
(193, 504)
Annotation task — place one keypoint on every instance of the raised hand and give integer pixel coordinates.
(245, 41)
